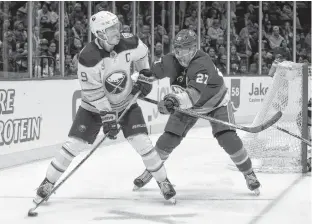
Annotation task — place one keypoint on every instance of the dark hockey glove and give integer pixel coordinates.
(167, 105)
(110, 125)
(144, 83)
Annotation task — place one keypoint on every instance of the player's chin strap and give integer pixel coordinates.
(31, 211)
(254, 129)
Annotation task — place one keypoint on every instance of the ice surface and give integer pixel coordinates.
(207, 192)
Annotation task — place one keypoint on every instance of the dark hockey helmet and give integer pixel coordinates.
(185, 46)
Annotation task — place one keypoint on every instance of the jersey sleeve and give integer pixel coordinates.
(92, 87)
(140, 57)
(165, 67)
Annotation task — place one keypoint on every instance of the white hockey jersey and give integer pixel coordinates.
(105, 77)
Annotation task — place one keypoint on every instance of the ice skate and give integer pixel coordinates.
(253, 183)
(142, 180)
(43, 190)
(167, 190)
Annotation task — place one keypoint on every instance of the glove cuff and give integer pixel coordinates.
(108, 116)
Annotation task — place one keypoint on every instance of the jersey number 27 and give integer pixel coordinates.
(202, 78)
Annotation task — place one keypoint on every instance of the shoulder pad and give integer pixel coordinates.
(90, 55)
(127, 43)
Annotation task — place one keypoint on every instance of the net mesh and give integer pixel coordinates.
(271, 150)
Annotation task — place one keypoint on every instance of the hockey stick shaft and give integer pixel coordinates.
(95, 147)
(254, 129)
(292, 134)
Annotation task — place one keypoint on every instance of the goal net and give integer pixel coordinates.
(271, 150)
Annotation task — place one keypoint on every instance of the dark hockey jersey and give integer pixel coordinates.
(201, 74)
(105, 77)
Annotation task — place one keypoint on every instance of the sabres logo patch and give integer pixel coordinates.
(115, 83)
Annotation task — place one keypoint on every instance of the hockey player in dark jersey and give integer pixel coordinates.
(197, 84)
(105, 70)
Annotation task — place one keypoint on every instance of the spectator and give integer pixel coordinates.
(52, 50)
(234, 57)
(36, 39)
(287, 33)
(45, 21)
(243, 69)
(21, 16)
(253, 68)
(212, 15)
(42, 68)
(19, 32)
(275, 39)
(215, 32)
(121, 19)
(268, 29)
(283, 51)
(158, 52)
(21, 58)
(145, 35)
(102, 6)
(221, 50)
(54, 15)
(69, 66)
(126, 29)
(77, 14)
(222, 64)
(212, 54)
(193, 20)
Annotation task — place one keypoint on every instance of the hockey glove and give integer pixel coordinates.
(110, 126)
(167, 105)
(144, 83)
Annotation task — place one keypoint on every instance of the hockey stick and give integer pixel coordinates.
(31, 211)
(292, 134)
(255, 129)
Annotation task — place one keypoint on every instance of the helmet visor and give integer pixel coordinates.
(112, 34)
(184, 55)
(112, 30)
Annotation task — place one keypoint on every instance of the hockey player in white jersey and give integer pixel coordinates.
(104, 71)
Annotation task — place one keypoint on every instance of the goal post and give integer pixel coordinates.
(306, 80)
(272, 150)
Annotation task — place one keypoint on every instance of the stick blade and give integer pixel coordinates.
(266, 124)
(32, 213)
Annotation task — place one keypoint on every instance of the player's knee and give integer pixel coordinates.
(229, 141)
(141, 143)
(70, 149)
(166, 143)
(73, 146)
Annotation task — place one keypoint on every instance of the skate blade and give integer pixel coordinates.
(37, 200)
(256, 192)
(172, 201)
(136, 188)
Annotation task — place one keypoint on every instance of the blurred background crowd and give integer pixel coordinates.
(238, 47)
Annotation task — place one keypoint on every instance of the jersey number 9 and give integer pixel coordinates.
(84, 77)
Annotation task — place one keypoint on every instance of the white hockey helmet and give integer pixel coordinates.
(106, 26)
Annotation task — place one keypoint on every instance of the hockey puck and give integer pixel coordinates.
(32, 213)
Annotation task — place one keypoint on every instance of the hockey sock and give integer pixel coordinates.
(233, 146)
(152, 161)
(242, 161)
(60, 163)
(154, 164)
